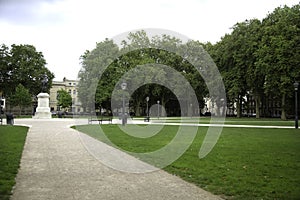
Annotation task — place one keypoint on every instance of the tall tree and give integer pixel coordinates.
(22, 64)
(226, 56)
(5, 70)
(21, 98)
(255, 74)
(248, 78)
(93, 73)
(279, 52)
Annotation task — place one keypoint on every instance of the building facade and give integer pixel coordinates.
(71, 86)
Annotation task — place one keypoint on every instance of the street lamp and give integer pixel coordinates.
(296, 85)
(147, 99)
(158, 110)
(123, 86)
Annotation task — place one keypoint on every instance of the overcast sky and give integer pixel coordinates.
(63, 29)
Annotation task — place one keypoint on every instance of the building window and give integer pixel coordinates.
(74, 83)
(70, 91)
(70, 83)
(74, 92)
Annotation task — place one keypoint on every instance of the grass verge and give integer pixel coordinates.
(12, 139)
(228, 120)
(246, 163)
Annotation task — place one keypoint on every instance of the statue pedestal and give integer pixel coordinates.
(43, 109)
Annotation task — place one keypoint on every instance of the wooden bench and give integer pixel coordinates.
(93, 119)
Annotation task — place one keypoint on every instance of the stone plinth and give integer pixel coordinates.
(43, 109)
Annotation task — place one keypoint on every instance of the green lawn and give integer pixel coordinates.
(228, 120)
(246, 163)
(12, 139)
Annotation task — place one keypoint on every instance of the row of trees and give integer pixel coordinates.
(260, 58)
(104, 67)
(22, 69)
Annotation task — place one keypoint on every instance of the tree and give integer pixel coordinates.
(104, 66)
(138, 50)
(279, 53)
(21, 98)
(5, 70)
(225, 54)
(64, 99)
(255, 74)
(261, 58)
(166, 50)
(22, 64)
(93, 65)
(244, 75)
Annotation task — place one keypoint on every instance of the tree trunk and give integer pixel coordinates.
(20, 110)
(137, 108)
(239, 107)
(224, 110)
(217, 107)
(257, 103)
(283, 112)
(163, 106)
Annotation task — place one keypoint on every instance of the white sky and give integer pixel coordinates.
(63, 29)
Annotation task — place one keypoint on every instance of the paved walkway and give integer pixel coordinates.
(56, 165)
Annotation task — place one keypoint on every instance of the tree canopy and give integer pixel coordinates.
(138, 50)
(258, 60)
(262, 59)
(22, 64)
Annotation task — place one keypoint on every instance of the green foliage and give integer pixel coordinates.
(121, 60)
(246, 163)
(22, 64)
(279, 52)
(64, 99)
(93, 65)
(12, 139)
(21, 98)
(261, 58)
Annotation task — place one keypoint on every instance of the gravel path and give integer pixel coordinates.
(56, 165)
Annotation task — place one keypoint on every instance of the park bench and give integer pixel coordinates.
(146, 119)
(100, 120)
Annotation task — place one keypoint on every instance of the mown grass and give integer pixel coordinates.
(229, 120)
(246, 163)
(12, 139)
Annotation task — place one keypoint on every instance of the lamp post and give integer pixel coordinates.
(147, 99)
(158, 109)
(123, 86)
(296, 84)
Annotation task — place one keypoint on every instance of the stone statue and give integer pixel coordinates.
(44, 83)
(43, 109)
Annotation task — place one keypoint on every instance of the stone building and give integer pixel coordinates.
(71, 87)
